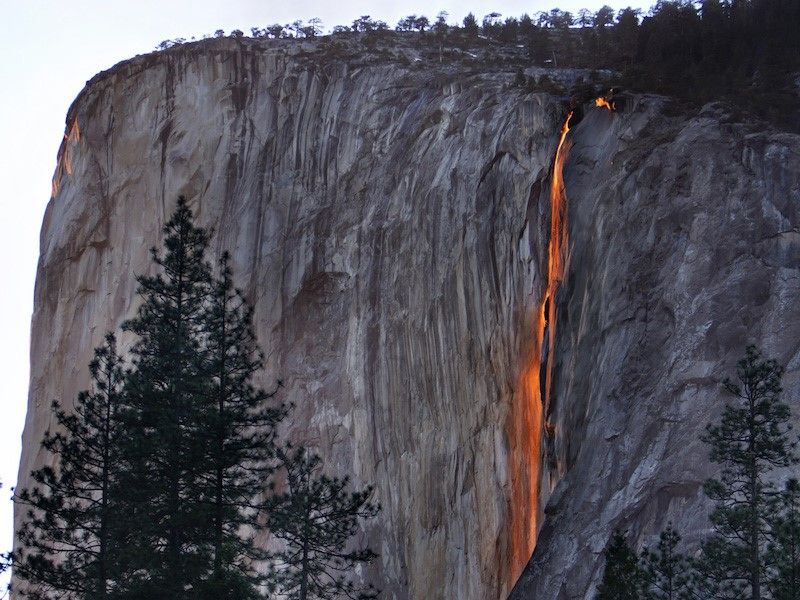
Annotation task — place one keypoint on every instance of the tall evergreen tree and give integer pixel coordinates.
(316, 519)
(785, 548)
(471, 27)
(623, 578)
(69, 540)
(161, 466)
(167, 394)
(667, 571)
(241, 435)
(750, 441)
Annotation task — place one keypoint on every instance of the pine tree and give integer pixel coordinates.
(623, 578)
(315, 518)
(69, 541)
(167, 393)
(785, 548)
(667, 571)
(471, 27)
(749, 442)
(241, 436)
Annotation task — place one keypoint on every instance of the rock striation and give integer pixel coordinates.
(685, 247)
(389, 220)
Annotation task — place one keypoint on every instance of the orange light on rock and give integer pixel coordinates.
(603, 102)
(64, 161)
(528, 414)
(557, 251)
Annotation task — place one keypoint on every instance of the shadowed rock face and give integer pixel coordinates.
(685, 247)
(390, 224)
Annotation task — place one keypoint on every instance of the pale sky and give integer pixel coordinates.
(49, 48)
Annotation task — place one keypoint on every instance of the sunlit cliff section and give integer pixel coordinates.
(390, 220)
(527, 413)
(525, 445)
(557, 254)
(64, 159)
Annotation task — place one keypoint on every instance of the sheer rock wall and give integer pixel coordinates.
(375, 216)
(390, 225)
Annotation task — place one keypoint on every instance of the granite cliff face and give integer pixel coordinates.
(390, 222)
(685, 247)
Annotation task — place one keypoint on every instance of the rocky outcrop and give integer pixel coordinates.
(685, 247)
(390, 223)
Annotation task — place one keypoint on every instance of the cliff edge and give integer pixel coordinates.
(389, 220)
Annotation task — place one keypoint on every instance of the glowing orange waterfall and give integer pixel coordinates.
(601, 101)
(64, 164)
(528, 416)
(556, 253)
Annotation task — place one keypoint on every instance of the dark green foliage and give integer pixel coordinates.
(200, 441)
(69, 541)
(491, 26)
(745, 51)
(540, 47)
(440, 26)
(750, 441)
(784, 552)
(623, 578)
(316, 518)
(603, 17)
(421, 23)
(275, 30)
(167, 392)
(240, 432)
(525, 25)
(509, 31)
(160, 470)
(407, 23)
(366, 24)
(471, 26)
(667, 572)
(626, 33)
(560, 19)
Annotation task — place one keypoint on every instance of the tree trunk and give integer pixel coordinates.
(102, 554)
(304, 569)
(306, 535)
(218, 525)
(174, 572)
(755, 559)
(793, 512)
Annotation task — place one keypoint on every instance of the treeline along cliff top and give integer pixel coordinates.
(746, 52)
